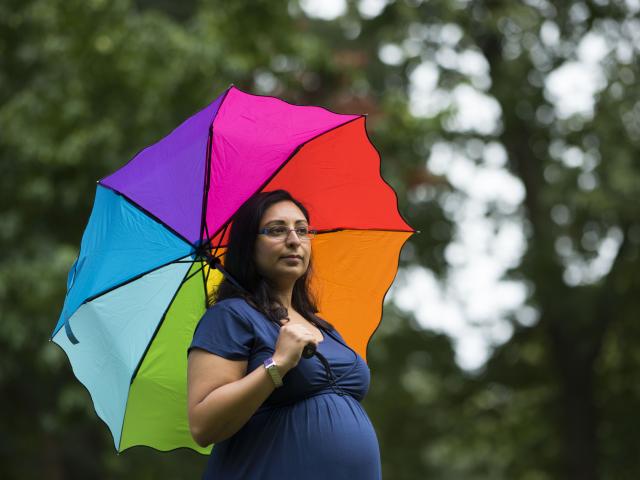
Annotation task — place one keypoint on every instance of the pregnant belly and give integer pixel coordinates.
(323, 436)
(335, 429)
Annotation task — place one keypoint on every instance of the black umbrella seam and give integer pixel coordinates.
(204, 285)
(185, 279)
(347, 229)
(114, 287)
(149, 214)
(134, 278)
(207, 179)
(205, 187)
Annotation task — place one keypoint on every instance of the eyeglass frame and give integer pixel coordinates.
(310, 233)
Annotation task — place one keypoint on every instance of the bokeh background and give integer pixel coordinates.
(509, 346)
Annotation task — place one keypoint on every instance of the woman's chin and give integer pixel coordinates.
(291, 273)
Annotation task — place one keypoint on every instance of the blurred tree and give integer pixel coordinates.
(581, 208)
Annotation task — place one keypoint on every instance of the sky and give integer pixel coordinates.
(474, 305)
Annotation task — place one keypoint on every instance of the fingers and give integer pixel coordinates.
(300, 333)
(292, 340)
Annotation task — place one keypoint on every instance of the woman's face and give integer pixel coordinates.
(282, 260)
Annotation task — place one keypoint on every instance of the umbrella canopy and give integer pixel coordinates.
(141, 279)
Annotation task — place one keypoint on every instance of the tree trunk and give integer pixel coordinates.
(579, 421)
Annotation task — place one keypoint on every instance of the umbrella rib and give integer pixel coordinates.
(204, 285)
(207, 179)
(193, 274)
(344, 229)
(224, 231)
(206, 230)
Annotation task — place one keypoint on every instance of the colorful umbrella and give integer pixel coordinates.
(139, 284)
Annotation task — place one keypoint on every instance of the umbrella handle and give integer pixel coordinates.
(309, 351)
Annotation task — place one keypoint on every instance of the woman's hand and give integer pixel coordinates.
(292, 339)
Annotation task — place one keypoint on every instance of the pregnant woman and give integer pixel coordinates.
(272, 413)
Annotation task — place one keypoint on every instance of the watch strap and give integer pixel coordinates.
(274, 372)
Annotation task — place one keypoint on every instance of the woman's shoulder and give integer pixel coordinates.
(226, 329)
(236, 306)
(229, 303)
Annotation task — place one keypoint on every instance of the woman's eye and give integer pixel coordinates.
(277, 231)
(302, 231)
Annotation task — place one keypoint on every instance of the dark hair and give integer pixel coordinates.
(239, 262)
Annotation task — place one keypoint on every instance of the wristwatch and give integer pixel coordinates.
(274, 372)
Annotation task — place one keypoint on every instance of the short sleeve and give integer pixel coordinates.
(224, 332)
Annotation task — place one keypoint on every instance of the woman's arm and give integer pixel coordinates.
(221, 398)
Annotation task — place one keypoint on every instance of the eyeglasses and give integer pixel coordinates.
(281, 232)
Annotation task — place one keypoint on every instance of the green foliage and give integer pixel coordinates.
(85, 85)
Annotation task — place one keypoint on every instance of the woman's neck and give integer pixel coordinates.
(284, 295)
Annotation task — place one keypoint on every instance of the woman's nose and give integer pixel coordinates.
(292, 238)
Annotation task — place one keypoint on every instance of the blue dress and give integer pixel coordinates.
(309, 428)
